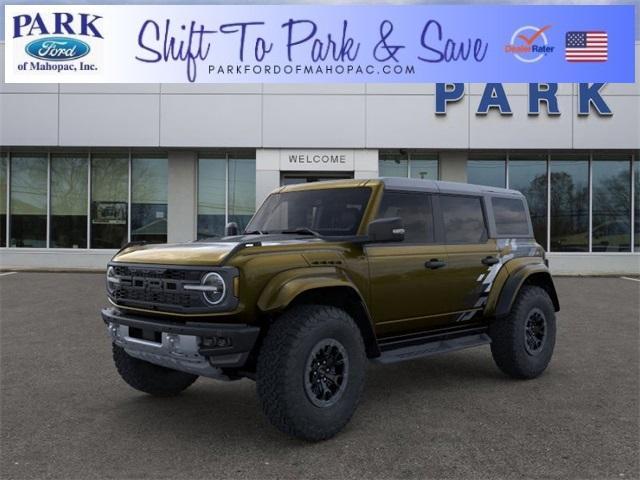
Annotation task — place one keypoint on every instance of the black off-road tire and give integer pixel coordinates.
(513, 353)
(149, 378)
(286, 362)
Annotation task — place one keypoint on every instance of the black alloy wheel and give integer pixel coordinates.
(535, 331)
(326, 373)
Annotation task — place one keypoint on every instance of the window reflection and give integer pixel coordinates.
(416, 213)
(611, 204)
(569, 204)
(149, 184)
(220, 202)
(393, 164)
(109, 194)
(28, 201)
(487, 169)
(463, 219)
(398, 163)
(211, 196)
(424, 167)
(3, 200)
(528, 174)
(68, 201)
(510, 216)
(242, 191)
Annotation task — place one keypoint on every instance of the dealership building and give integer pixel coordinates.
(84, 168)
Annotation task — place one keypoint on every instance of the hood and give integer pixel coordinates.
(195, 253)
(202, 252)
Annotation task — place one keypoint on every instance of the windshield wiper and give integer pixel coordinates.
(256, 232)
(302, 230)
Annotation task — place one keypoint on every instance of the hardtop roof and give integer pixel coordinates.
(401, 183)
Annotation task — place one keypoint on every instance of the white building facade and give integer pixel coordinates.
(86, 168)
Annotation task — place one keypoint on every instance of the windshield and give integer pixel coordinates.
(327, 212)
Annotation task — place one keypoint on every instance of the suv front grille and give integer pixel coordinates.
(153, 296)
(158, 272)
(161, 288)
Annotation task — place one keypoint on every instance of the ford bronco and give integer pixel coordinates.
(326, 277)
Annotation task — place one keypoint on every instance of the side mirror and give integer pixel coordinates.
(386, 230)
(231, 229)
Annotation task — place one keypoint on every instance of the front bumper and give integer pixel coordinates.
(193, 347)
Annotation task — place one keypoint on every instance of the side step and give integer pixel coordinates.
(432, 347)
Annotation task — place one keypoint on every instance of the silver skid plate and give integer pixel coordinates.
(178, 352)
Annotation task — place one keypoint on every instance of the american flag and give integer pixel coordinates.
(586, 47)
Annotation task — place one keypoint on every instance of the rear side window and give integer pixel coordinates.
(415, 211)
(463, 219)
(511, 216)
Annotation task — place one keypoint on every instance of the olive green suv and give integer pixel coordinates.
(325, 277)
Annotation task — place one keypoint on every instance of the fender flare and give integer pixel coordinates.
(286, 286)
(517, 279)
(283, 288)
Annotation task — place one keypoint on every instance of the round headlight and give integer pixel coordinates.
(112, 280)
(214, 288)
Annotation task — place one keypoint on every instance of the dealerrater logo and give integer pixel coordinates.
(529, 44)
(56, 40)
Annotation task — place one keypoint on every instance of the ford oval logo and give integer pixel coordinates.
(57, 49)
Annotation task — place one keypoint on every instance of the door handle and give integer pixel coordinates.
(490, 260)
(434, 263)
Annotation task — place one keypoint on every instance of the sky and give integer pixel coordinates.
(343, 2)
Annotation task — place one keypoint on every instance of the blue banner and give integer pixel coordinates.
(291, 43)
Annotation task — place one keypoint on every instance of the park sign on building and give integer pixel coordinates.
(494, 97)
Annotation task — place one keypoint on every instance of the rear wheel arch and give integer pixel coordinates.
(544, 280)
(533, 275)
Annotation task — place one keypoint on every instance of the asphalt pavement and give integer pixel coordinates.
(65, 413)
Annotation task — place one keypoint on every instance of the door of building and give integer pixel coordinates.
(293, 178)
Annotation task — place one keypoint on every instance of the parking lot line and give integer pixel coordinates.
(6, 273)
(632, 279)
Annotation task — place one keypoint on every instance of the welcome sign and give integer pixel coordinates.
(291, 43)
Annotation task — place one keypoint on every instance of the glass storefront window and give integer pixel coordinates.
(4, 162)
(149, 187)
(28, 223)
(528, 174)
(398, 163)
(242, 191)
(68, 223)
(611, 203)
(392, 164)
(226, 192)
(109, 197)
(569, 219)
(423, 166)
(212, 174)
(487, 169)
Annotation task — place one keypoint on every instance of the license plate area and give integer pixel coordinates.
(146, 334)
